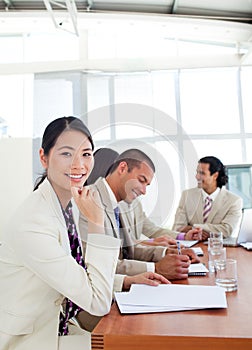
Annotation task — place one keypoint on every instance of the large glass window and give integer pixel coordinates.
(16, 108)
(183, 114)
(209, 102)
(229, 151)
(246, 88)
(99, 119)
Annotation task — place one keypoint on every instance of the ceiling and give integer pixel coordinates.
(215, 22)
(238, 10)
(173, 12)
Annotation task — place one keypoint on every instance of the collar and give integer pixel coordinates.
(111, 194)
(212, 195)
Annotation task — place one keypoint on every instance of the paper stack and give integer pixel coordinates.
(170, 297)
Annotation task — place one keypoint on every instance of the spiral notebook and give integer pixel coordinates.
(198, 269)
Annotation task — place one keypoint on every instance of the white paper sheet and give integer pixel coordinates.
(187, 244)
(170, 297)
(247, 245)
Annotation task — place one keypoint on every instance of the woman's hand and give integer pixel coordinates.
(89, 204)
(150, 278)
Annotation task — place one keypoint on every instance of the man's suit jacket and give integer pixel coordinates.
(138, 254)
(141, 224)
(37, 271)
(225, 214)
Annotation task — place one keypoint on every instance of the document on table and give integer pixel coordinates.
(187, 244)
(170, 297)
(247, 245)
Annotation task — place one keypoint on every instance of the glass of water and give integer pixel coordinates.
(215, 254)
(226, 274)
(217, 235)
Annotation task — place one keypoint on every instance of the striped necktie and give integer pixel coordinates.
(207, 208)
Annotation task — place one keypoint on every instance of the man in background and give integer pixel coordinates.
(209, 206)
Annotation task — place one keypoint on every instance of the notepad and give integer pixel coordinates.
(197, 270)
(170, 297)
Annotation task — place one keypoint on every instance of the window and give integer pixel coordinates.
(240, 182)
(183, 115)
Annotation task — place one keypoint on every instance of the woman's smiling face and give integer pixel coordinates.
(69, 162)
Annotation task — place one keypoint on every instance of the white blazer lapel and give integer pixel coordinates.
(54, 203)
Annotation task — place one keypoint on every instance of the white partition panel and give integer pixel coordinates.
(15, 176)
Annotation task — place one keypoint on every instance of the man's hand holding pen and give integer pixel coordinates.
(187, 251)
(174, 265)
(179, 247)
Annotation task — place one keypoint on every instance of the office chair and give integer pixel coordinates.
(104, 158)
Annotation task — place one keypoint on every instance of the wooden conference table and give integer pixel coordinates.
(213, 329)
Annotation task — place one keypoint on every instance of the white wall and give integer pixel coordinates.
(15, 176)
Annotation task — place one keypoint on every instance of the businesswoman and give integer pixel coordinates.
(40, 255)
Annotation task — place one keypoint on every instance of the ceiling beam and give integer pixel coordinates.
(71, 11)
(124, 65)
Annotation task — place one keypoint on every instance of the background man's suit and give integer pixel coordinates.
(225, 214)
(141, 224)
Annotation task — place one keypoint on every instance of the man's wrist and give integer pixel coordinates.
(181, 236)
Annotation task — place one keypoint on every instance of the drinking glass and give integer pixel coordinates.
(214, 255)
(226, 274)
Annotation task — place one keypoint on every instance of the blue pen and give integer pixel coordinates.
(179, 248)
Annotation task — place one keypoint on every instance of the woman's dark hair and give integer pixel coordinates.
(54, 130)
(215, 165)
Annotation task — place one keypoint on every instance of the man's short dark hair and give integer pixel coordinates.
(133, 157)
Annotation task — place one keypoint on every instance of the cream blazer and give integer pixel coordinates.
(141, 224)
(138, 254)
(37, 271)
(225, 214)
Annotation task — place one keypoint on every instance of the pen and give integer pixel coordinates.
(179, 247)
